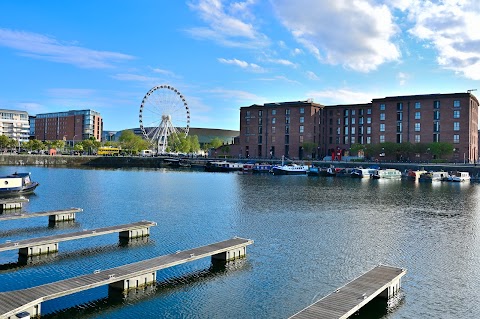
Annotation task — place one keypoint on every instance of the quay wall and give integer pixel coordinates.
(81, 161)
(158, 162)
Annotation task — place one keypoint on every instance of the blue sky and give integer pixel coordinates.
(222, 55)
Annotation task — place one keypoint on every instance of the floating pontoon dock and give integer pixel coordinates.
(53, 216)
(49, 244)
(383, 281)
(12, 203)
(125, 277)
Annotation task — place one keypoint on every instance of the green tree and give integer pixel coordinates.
(178, 143)
(420, 148)
(194, 144)
(440, 149)
(404, 150)
(111, 143)
(131, 143)
(372, 150)
(216, 142)
(58, 144)
(78, 147)
(90, 144)
(4, 141)
(34, 145)
(309, 148)
(49, 144)
(13, 144)
(225, 149)
(355, 148)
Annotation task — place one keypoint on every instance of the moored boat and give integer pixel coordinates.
(414, 175)
(389, 173)
(289, 169)
(248, 167)
(458, 176)
(314, 171)
(223, 166)
(262, 168)
(432, 176)
(317, 171)
(361, 172)
(176, 162)
(17, 184)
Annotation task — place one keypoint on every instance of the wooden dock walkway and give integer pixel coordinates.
(49, 244)
(123, 277)
(60, 212)
(383, 281)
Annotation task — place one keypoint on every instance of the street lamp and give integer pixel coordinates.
(73, 146)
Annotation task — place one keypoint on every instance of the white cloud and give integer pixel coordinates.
(134, 78)
(452, 28)
(282, 62)
(357, 34)
(31, 107)
(243, 64)
(402, 78)
(164, 72)
(341, 96)
(43, 47)
(311, 75)
(236, 95)
(297, 51)
(67, 93)
(231, 25)
(279, 77)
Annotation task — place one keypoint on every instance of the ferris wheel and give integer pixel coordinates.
(163, 112)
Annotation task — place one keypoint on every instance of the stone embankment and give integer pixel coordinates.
(81, 161)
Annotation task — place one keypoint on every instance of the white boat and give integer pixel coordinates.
(388, 173)
(289, 169)
(459, 177)
(362, 172)
(17, 184)
(433, 177)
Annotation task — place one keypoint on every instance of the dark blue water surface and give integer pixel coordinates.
(311, 236)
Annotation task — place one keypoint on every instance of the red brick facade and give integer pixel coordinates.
(69, 126)
(277, 127)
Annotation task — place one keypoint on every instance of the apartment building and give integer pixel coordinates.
(273, 130)
(71, 126)
(451, 118)
(15, 125)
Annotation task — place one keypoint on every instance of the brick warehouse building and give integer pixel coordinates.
(276, 129)
(70, 126)
(282, 128)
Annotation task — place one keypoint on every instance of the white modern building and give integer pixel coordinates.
(15, 125)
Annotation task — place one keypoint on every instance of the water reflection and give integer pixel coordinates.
(164, 288)
(312, 235)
